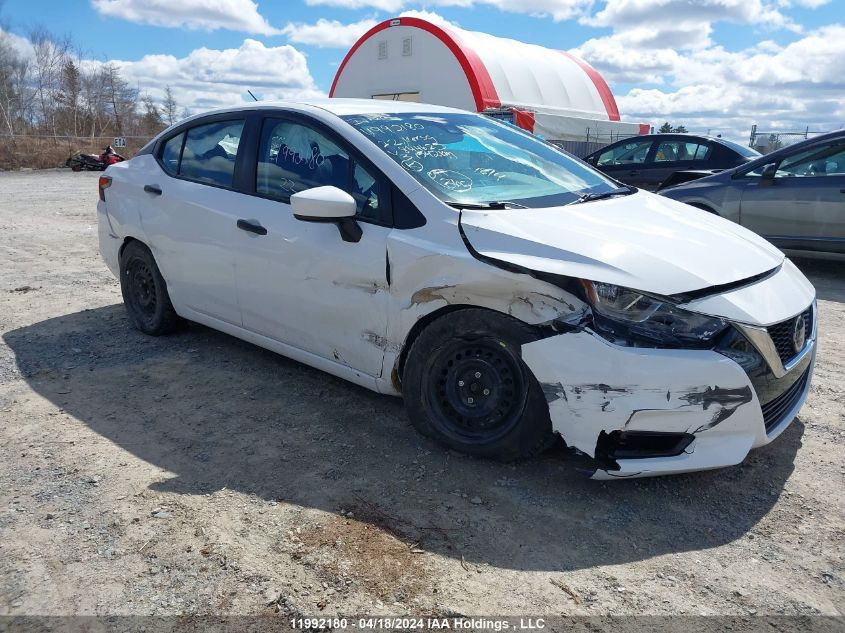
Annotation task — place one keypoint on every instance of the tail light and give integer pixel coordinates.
(105, 183)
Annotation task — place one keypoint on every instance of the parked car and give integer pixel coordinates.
(648, 161)
(507, 291)
(794, 197)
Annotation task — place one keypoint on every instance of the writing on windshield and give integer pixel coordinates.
(467, 158)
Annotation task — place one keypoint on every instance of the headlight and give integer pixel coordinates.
(631, 314)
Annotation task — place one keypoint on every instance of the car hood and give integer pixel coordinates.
(640, 241)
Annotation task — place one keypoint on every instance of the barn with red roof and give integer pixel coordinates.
(549, 92)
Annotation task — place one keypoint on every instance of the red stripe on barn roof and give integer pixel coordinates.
(600, 84)
(483, 90)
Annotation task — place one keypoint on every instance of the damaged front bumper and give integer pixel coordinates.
(641, 411)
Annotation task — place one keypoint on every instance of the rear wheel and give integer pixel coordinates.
(145, 292)
(465, 385)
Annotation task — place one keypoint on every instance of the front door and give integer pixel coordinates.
(300, 283)
(803, 207)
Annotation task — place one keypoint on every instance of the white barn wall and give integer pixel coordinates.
(431, 69)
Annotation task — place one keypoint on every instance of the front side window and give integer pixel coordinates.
(210, 152)
(680, 151)
(822, 160)
(632, 152)
(293, 157)
(827, 160)
(472, 159)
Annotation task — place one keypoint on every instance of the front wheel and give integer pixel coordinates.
(145, 292)
(465, 385)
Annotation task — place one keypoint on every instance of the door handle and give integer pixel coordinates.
(633, 172)
(251, 226)
(153, 189)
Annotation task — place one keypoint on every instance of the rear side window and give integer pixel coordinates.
(210, 152)
(679, 151)
(171, 153)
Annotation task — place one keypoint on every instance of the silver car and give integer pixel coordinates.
(794, 197)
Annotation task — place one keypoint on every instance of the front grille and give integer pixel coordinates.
(775, 410)
(781, 334)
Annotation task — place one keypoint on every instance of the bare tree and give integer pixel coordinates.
(151, 120)
(69, 96)
(9, 70)
(169, 106)
(50, 54)
(121, 97)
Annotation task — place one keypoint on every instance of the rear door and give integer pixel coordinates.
(625, 160)
(301, 283)
(190, 216)
(674, 154)
(803, 207)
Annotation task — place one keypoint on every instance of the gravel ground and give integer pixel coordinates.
(199, 474)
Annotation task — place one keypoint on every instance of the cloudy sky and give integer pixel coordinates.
(712, 65)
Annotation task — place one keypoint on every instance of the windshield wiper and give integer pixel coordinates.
(589, 197)
(494, 204)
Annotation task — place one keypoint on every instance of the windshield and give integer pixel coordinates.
(742, 150)
(472, 159)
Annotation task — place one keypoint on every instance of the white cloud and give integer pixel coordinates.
(20, 44)
(790, 86)
(208, 78)
(328, 33)
(660, 14)
(208, 15)
(557, 9)
(434, 18)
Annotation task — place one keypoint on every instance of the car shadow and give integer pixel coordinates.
(826, 276)
(217, 412)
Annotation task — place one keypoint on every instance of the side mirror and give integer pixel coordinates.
(767, 176)
(328, 204)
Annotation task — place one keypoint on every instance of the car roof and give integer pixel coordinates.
(340, 106)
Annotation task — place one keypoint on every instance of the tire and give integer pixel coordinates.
(465, 386)
(145, 292)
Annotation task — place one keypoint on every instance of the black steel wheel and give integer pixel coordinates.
(476, 389)
(145, 292)
(466, 386)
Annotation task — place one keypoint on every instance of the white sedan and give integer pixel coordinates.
(507, 291)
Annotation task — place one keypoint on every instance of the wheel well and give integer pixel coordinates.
(422, 323)
(430, 318)
(703, 207)
(126, 243)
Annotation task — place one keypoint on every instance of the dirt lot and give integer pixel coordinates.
(199, 474)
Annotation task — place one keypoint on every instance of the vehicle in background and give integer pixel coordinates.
(507, 291)
(94, 162)
(649, 161)
(794, 197)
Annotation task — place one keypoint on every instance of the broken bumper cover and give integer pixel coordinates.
(704, 404)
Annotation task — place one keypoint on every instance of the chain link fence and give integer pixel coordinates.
(771, 140)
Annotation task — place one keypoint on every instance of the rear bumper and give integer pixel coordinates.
(597, 390)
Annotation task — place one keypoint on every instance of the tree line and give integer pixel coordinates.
(53, 92)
